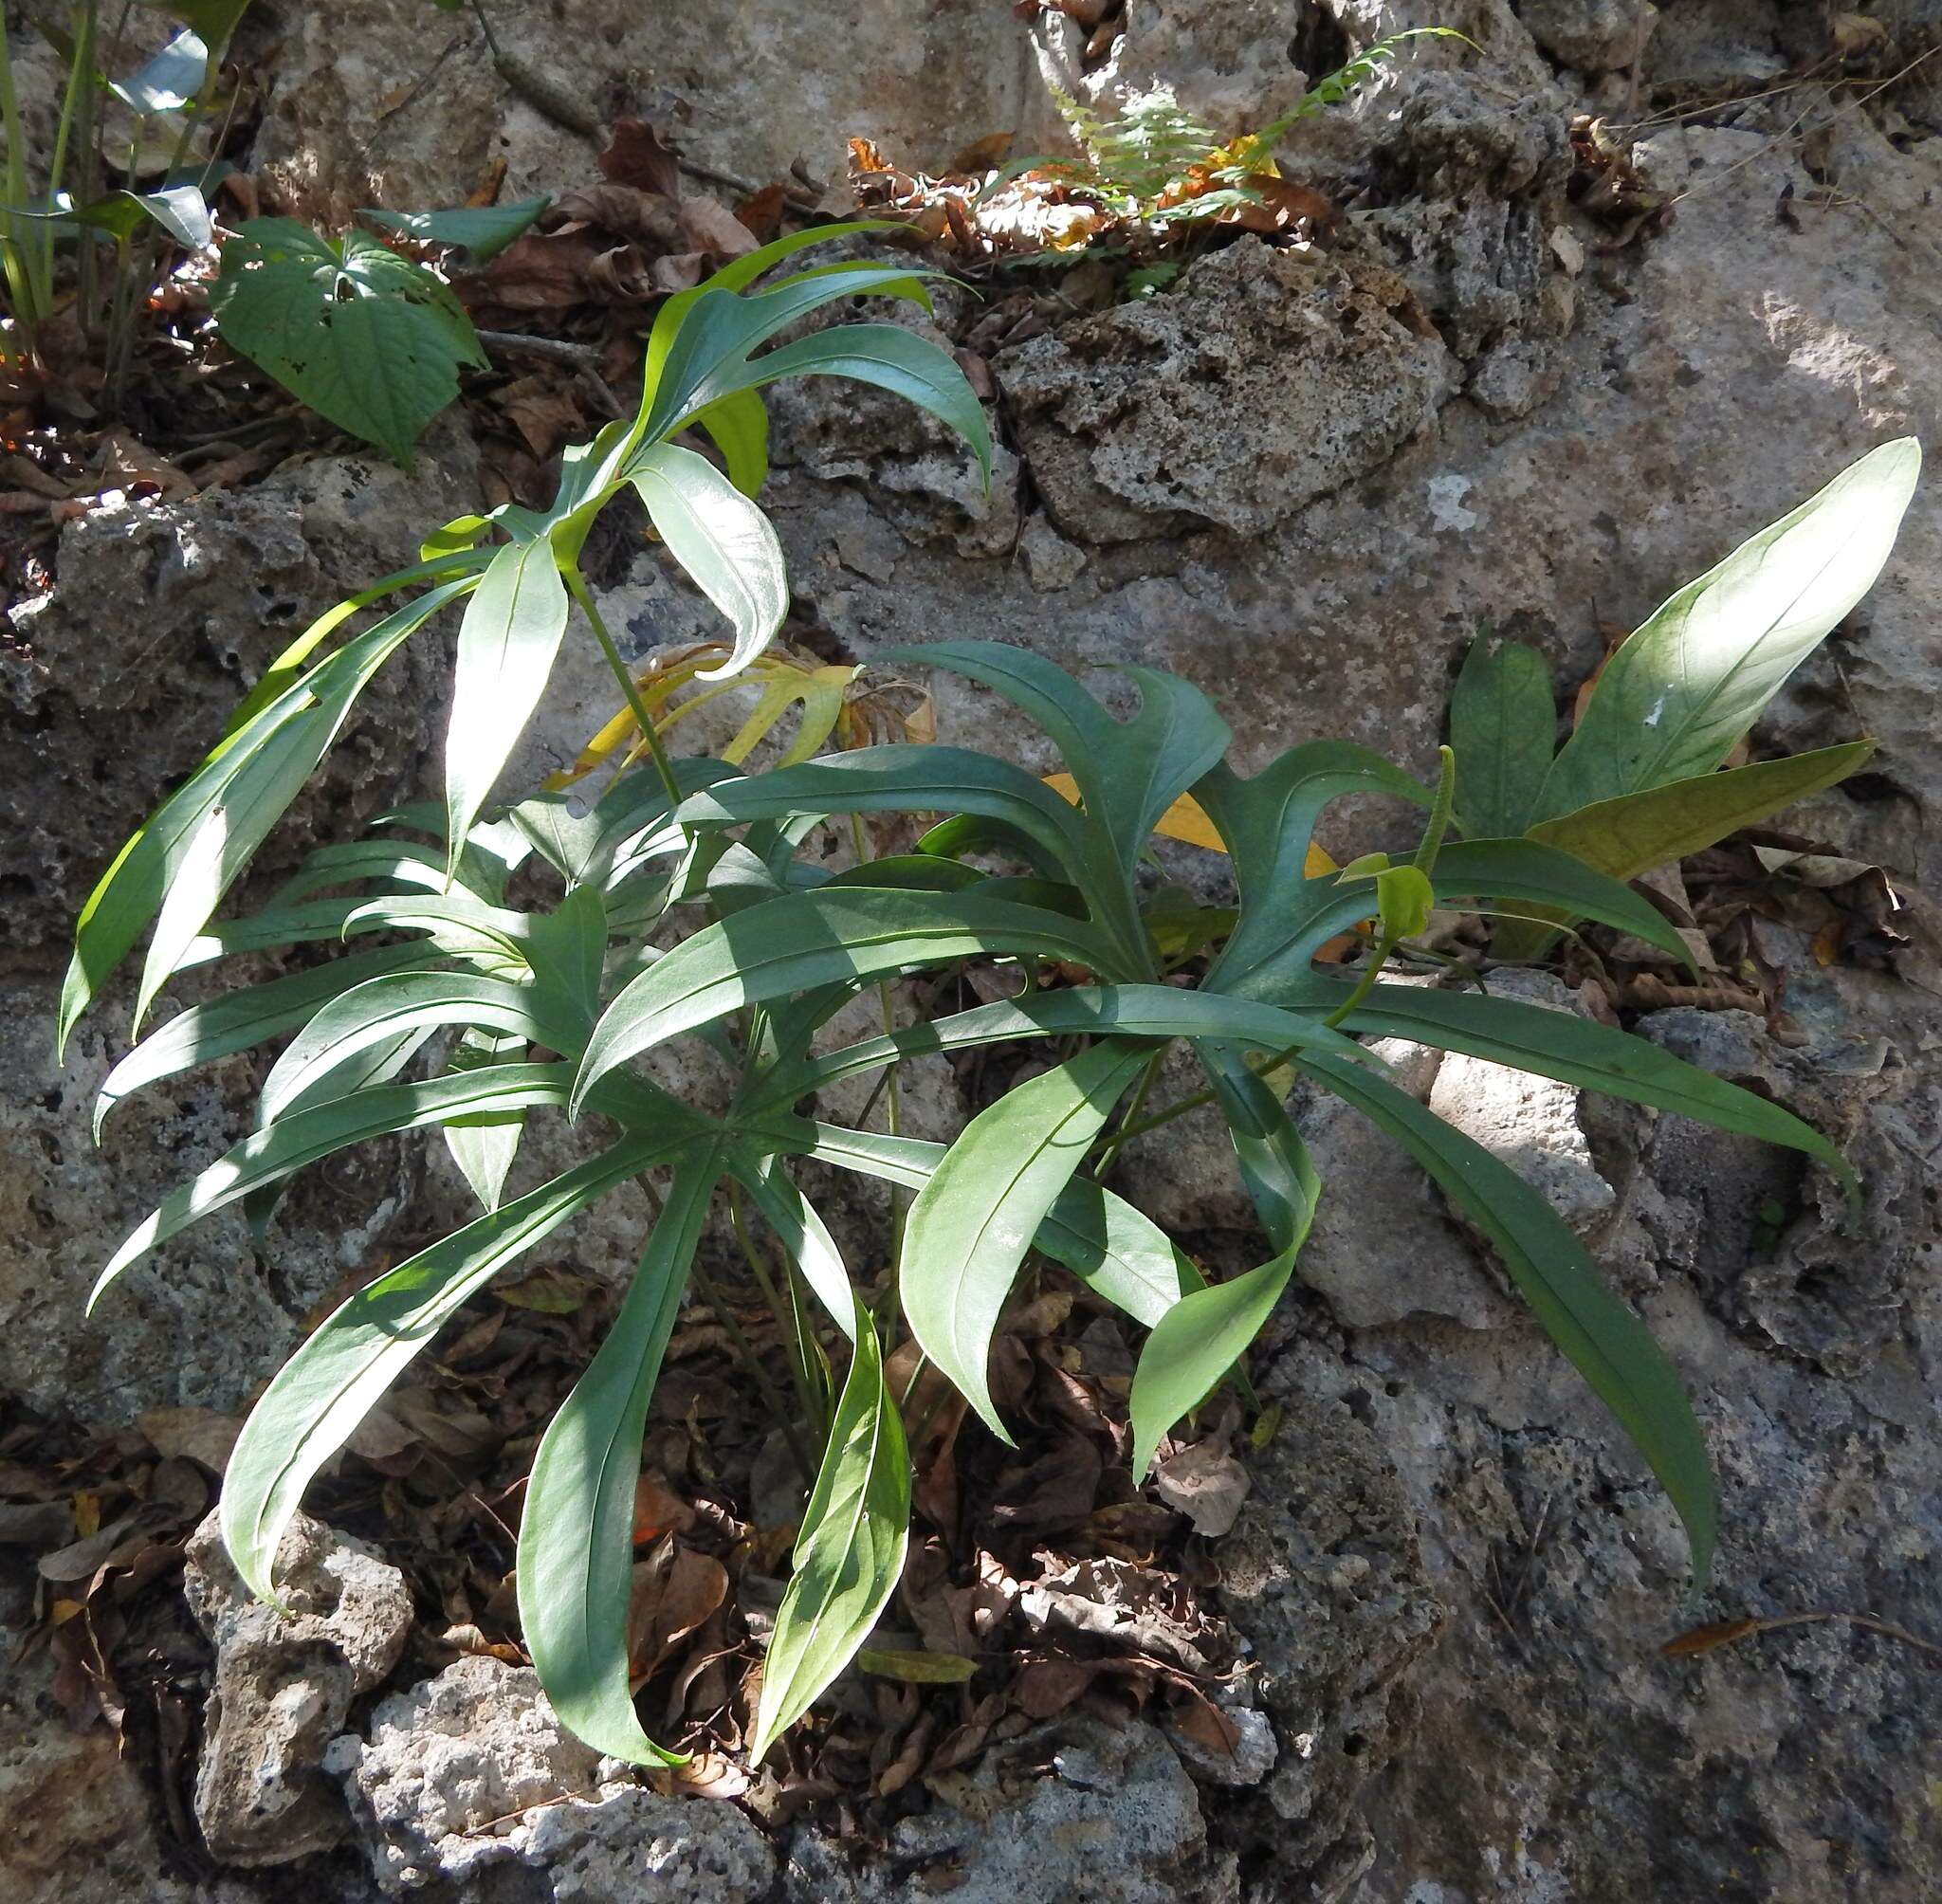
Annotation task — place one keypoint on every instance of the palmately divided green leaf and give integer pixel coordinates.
(217, 815)
(225, 1026)
(508, 642)
(302, 1138)
(490, 975)
(838, 935)
(726, 543)
(319, 1397)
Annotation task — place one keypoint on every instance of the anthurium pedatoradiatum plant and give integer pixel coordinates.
(685, 905)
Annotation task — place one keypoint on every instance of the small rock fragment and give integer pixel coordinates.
(469, 1782)
(285, 1680)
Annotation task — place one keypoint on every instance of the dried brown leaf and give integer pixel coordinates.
(648, 217)
(1283, 206)
(35, 1523)
(542, 270)
(761, 211)
(1704, 1639)
(81, 1560)
(675, 1590)
(1047, 1686)
(199, 1434)
(983, 155)
(1054, 1494)
(916, 1668)
(624, 276)
(679, 271)
(127, 464)
(638, 155)
(490, 182)
(1206, 1484)
(710, 227)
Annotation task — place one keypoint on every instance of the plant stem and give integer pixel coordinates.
(485, 28)
(576, 587)
(14, 252)
(1131, 1120)
(80, 76)
(86, 289)
(712, 1294)
(893, 1105)
(1129, 1131)
(1364, 986)
(788, 1321)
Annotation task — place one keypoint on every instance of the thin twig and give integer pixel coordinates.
(485, 28)
(554, 350)
(788, 1324)
(1130, 1116)
(1887, 1628)
(1854, 104)
(713, 175)
(1639, 33)
(419, 87)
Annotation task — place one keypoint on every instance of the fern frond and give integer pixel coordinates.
(1332, 88)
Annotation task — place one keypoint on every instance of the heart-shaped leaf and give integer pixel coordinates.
(365, 337)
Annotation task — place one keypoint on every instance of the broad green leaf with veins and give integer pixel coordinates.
(507, 641)
(726, 543)
(362, 334)
(1680, 692)
(576, 1553)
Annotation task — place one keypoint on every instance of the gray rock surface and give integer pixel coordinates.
(749, 89)
(285, 1678)
(469, 1787)
(1531, 1123)
(1592, 36)
(1271, 378)
(1071, 1813)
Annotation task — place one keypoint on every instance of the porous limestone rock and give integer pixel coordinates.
(1324, 1574)
(284, 1682)
(78, 1823)
(1076, 1812)
(469, 1788)
(1592, 36)
(1270, 378)
(748, 90)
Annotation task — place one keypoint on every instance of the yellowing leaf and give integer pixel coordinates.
(1186, 820)
(833, 701)
(820, 692)
(917, 1669)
